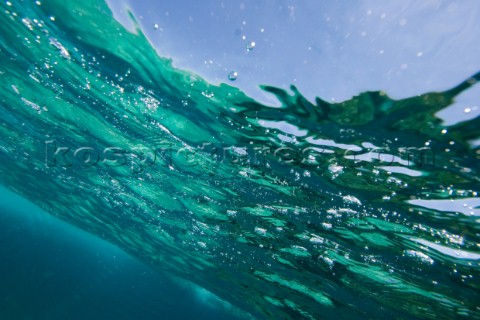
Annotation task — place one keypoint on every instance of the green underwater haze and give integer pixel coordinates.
(365, 208)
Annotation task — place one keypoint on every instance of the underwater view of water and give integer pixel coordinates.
(304, 209)
(52, 270)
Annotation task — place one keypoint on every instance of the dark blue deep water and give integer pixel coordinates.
(50, 270)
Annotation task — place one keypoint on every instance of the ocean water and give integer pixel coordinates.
(366, 208)
(52, 270)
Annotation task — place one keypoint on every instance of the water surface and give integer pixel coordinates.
(365, 208)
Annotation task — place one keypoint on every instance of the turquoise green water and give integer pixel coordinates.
(361, 209)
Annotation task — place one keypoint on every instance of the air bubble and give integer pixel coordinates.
(156, 26)
(467, 110)
(260, 231)
(232, 76)
(63, 52)
(326, 225)
(250, 45)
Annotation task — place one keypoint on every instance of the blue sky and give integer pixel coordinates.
(330, 49)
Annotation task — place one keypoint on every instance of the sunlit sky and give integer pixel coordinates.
(330, 49)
